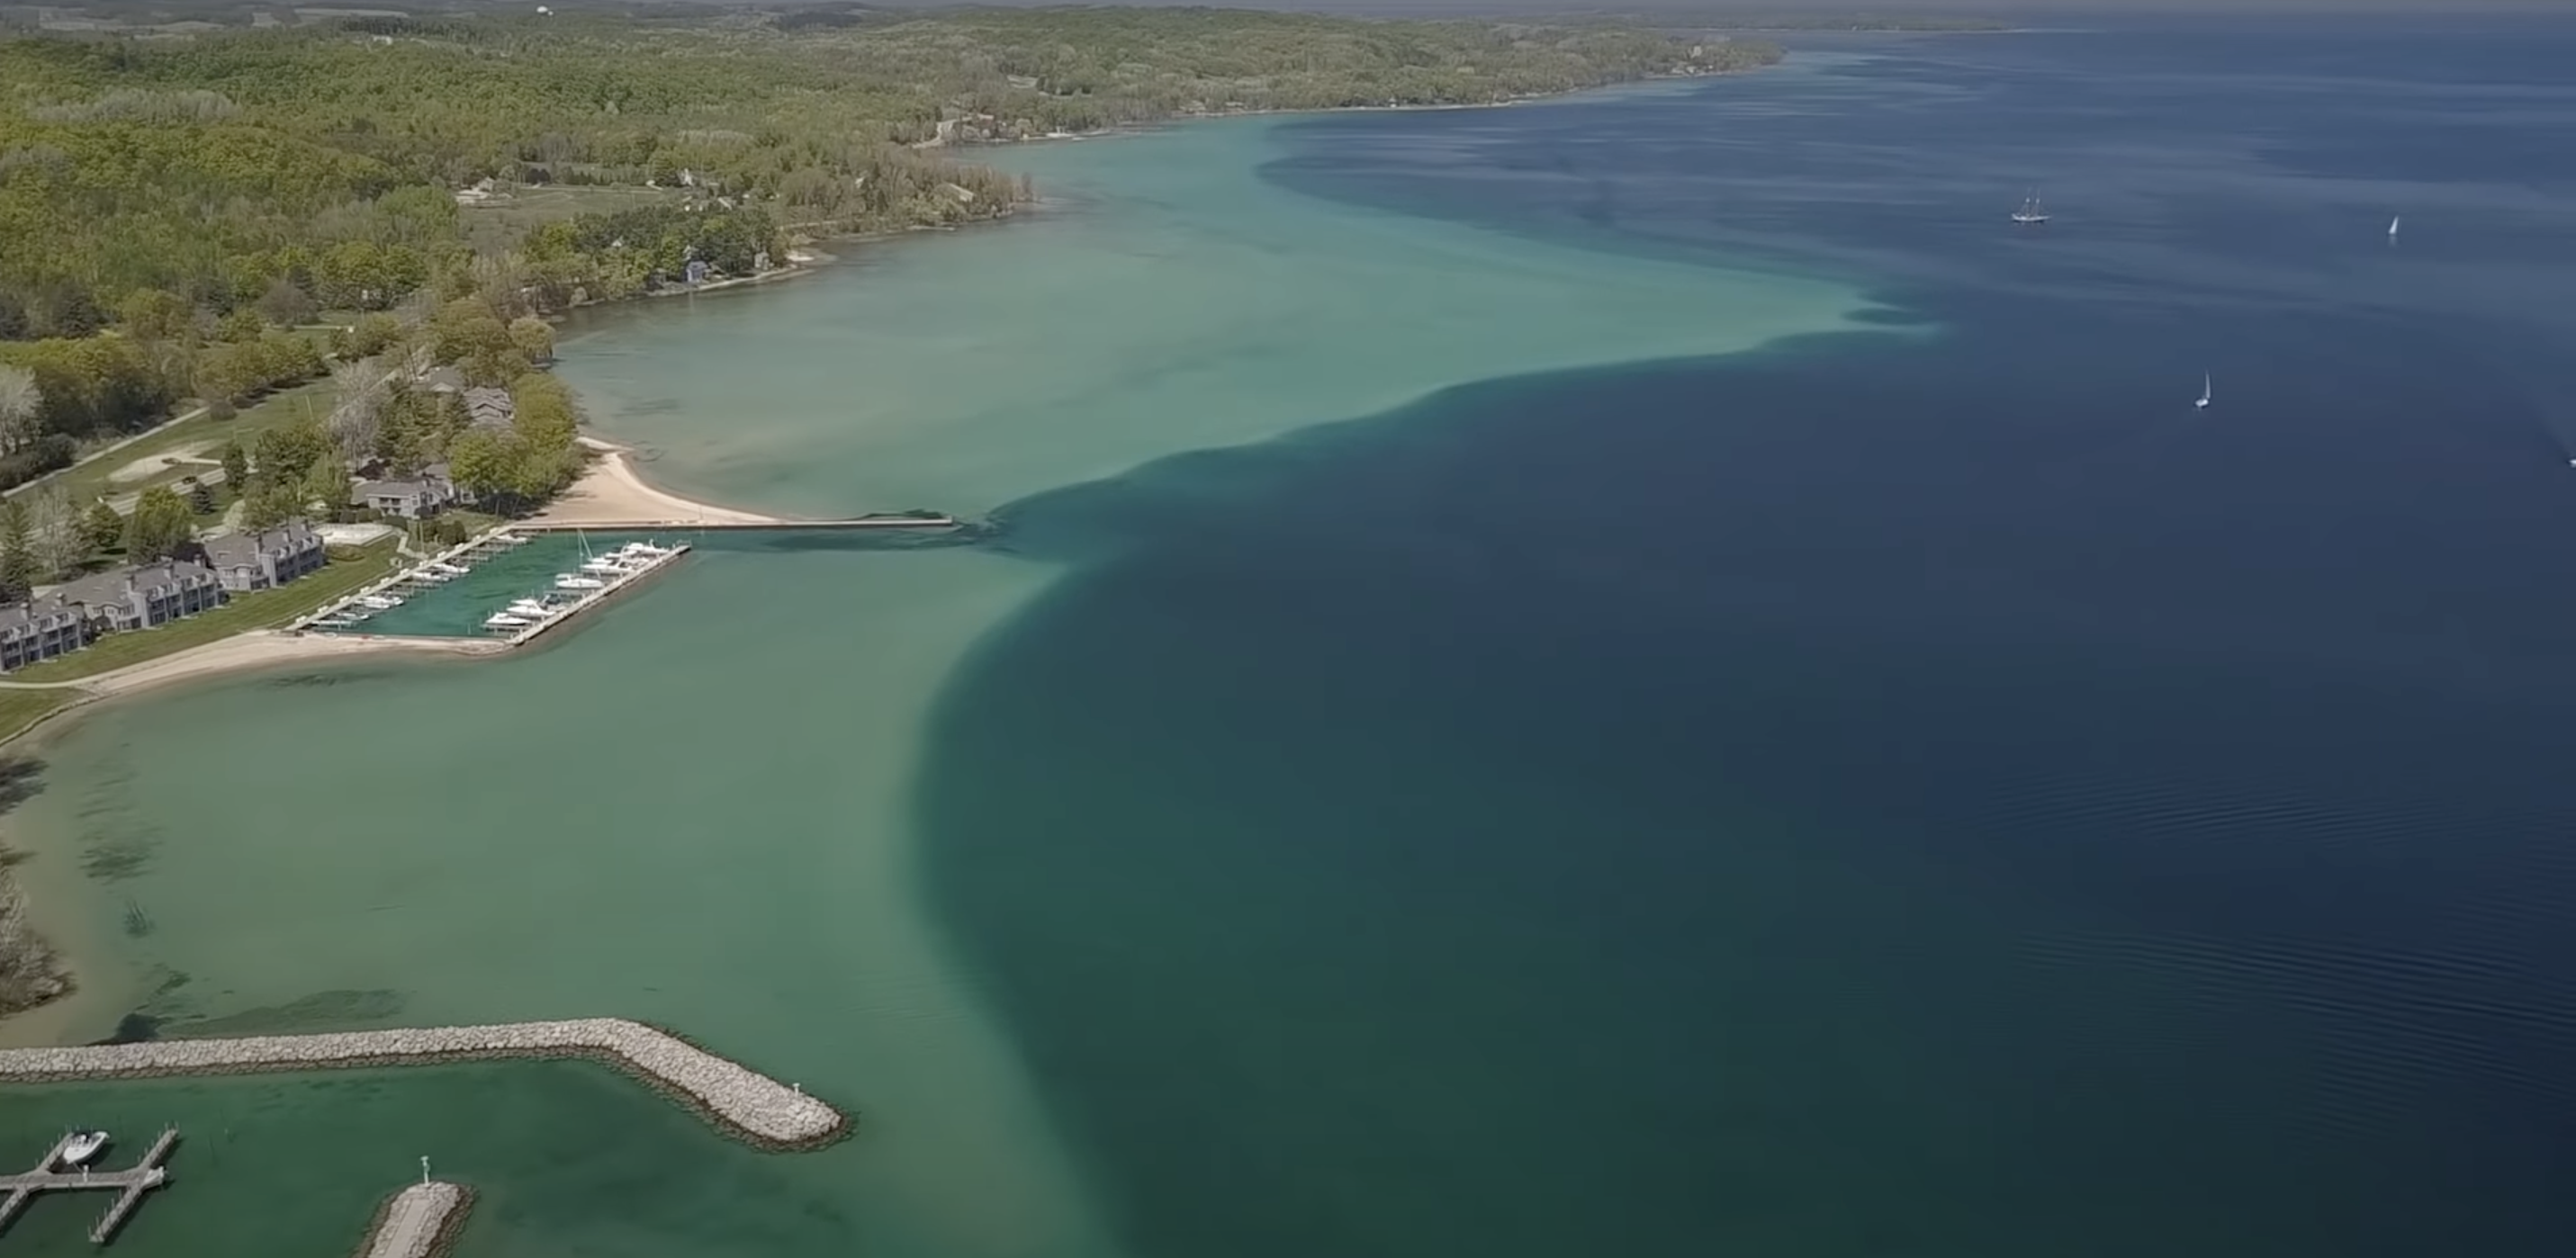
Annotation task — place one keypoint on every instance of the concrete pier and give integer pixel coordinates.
(736, 526)
(746, 1105)
(419, 1222)
(129, 1185)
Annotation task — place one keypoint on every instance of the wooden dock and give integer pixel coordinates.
(129, 1185)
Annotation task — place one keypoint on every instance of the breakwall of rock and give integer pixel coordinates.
(421, 1221)
(743, 1103)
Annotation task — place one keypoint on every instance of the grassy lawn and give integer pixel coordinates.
(261, 610)
(501, 223)
(22, 708)
(88, 481)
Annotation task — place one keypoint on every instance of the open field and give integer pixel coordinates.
(498, 224)
(86, 482)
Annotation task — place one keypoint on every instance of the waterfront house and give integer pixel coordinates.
(258, 561)
(141, 597)
(415, 498)
(39, 629)
(489, 408)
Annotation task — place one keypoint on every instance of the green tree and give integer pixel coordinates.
(465, 327)
(236, 466)
(327, 484)
(153, 315)
(242, 325)
(542, 413)
(106, 528)
(535, 338)
(286, 455)
(373, 334)
(268, 507)
(483, 462)
(160, 526)
(19, 566)
(201, 497)
(286, 305)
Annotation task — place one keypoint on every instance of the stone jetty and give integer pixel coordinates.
(419, 1222)
(745, 1104)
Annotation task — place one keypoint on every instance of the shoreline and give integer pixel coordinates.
(611, 493)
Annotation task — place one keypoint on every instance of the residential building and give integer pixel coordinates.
(257, 561)
(39, 629)
(487, 407)
(141, 597)
(415, 498)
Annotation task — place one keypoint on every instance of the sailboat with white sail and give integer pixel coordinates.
(2203, 403)
(2392, 227)
(2030, 213)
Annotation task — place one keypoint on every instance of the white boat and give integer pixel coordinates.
(380, 602)
(2203, 403)
(2392, 225)
(646, 549)
(83, 1146)
(604, 565)
(576, 581)
(504, 620)
(2030, 211)
(530, 607)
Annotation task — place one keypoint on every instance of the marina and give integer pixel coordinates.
(64, 1169)
(506, 587)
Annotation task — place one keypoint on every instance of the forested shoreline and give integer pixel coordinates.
(202, 212)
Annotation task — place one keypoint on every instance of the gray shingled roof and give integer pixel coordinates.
(113, 585)
(246, 548)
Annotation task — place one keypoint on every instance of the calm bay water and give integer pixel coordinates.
(1836, 758)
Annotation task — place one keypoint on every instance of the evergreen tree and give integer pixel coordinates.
(18, 563)
(106, 528)
(160, 527)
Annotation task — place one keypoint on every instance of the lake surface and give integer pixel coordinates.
(1638, 675)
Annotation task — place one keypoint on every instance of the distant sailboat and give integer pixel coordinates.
(2392, 227)
(2030, 211)
(2203, 403)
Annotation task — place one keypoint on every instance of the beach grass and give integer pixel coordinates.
(20, 708)
(262, 609)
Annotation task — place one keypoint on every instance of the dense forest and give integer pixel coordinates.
(177, 200)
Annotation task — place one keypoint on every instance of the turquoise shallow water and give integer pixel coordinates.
(700, 808)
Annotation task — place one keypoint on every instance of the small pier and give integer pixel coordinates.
(129, 1185)
(384, 594)
(604, 577)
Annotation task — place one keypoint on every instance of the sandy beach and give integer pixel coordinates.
(611, 494)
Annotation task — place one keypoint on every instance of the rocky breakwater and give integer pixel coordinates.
(421, 1221)
(743, 1103)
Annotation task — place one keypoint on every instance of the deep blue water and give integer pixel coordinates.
(1912, 793)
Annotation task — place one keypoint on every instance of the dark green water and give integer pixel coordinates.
(1702, 762)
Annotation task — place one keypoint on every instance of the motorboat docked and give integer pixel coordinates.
(82, 1147)
(504, 620)
(530, 607)
(576, 581)
(380, 602)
